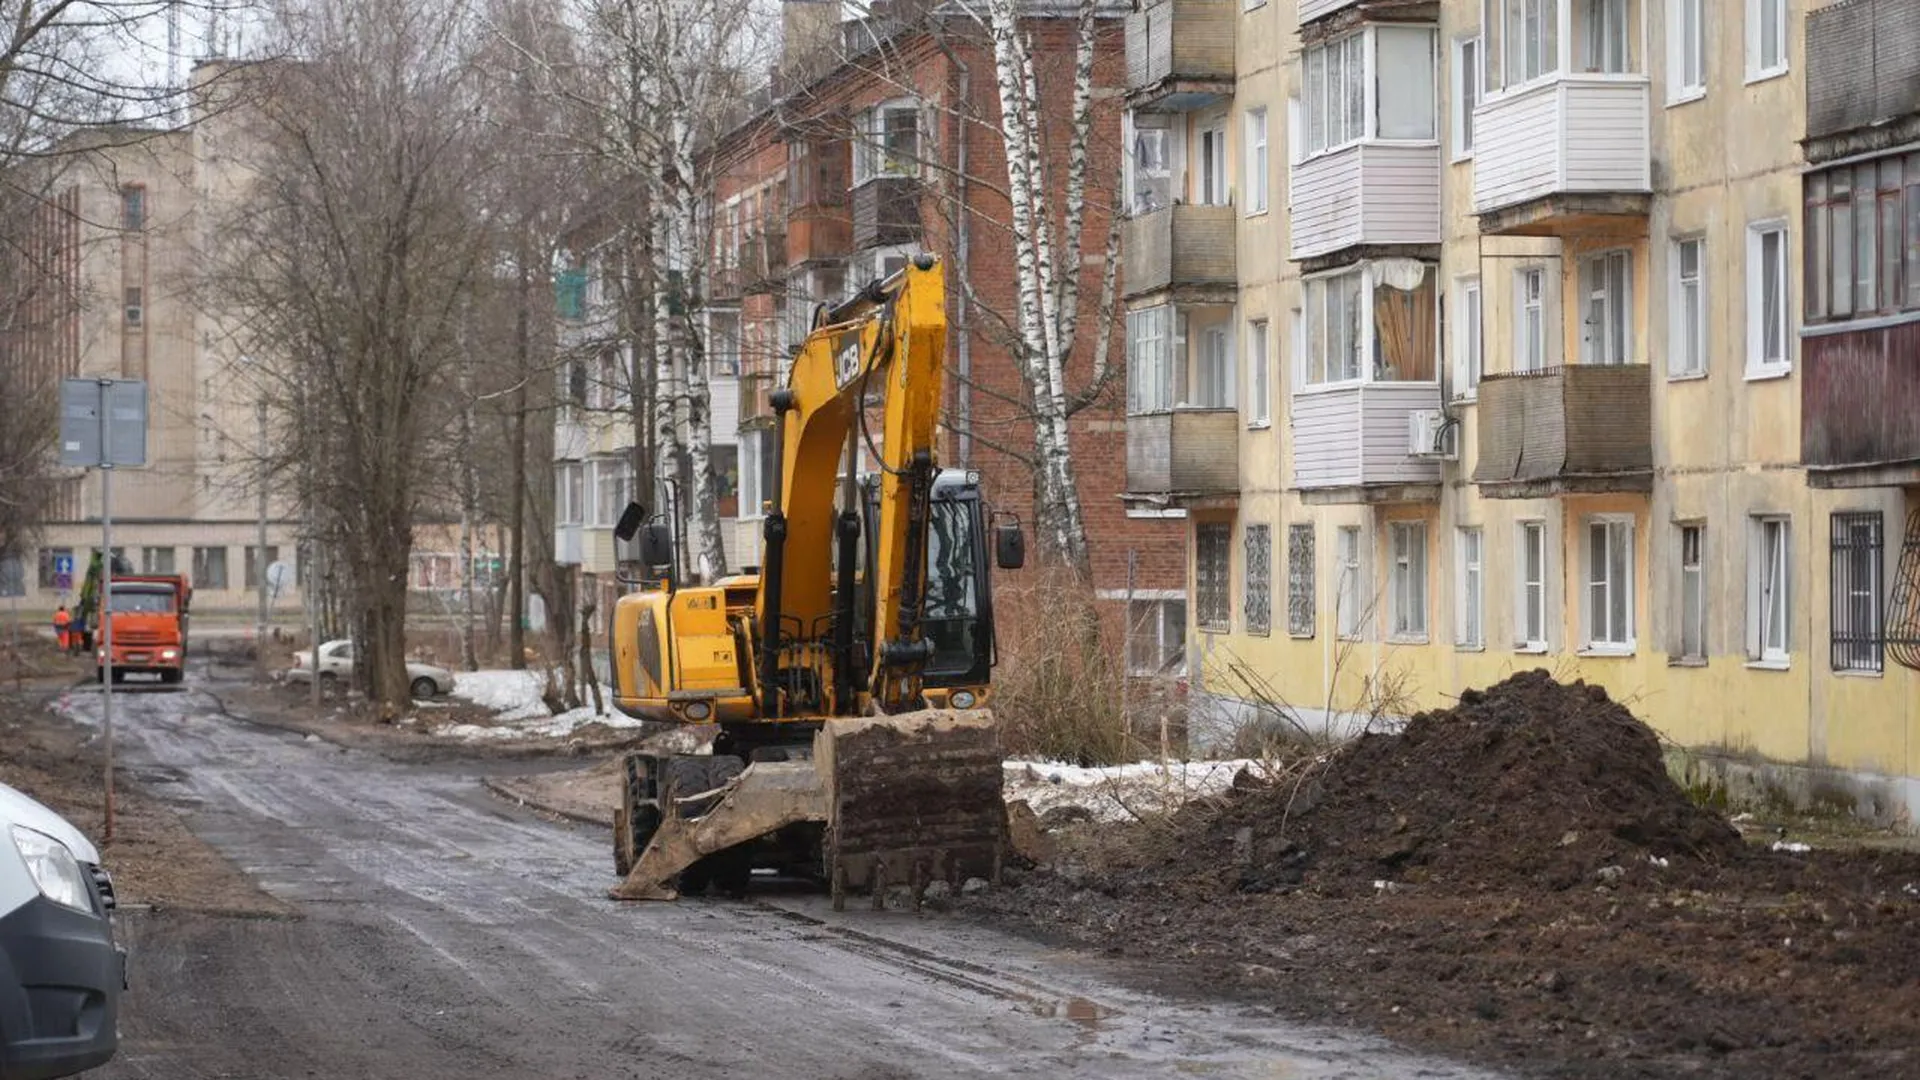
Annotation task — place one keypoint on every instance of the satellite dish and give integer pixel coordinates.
(279, 576)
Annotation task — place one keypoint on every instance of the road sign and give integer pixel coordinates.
(13, 578)
(279, 576)
(63, 573)
(103, 422)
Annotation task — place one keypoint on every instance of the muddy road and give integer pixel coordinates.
(441, 932)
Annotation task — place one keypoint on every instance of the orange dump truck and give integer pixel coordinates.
(149, 613)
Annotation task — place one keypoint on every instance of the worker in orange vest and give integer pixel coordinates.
(61, 620)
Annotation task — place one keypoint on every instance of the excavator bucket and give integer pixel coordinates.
(899, 800)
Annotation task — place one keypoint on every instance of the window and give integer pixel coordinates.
(1466, 337)
(1693, 592)
(756, 471)
(1349, 585)
(433, 570)
(1532, 35)
(1530, 319)
(1375, 321)
(1686, 50)
(210, 567)
(1769, 603)
(1338, 74)
(569, 494)
(1213, 166)
(133, 207)
(1610, 584)
(56, 568)
(1150, 359)
(156, 560)
(1606, 45)
(1409, 571)
(250, 563)
(1688, 353)
(1210, 576)
(1157, 638)
(1859, 641)
(1214, 377)
(136, 312)
(1530, 592)
(1256, 182)
(1863, 239)
(1150, 163)
(1467, 81)
(612, 488)
(1469, 590)
(723, 342)
(1767, 330)
(1766, 38)
(1259, 393)
(1607, 281)
(1258, 599)
(889, 142)
(1300, 586)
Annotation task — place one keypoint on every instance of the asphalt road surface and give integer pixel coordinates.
(445, 933)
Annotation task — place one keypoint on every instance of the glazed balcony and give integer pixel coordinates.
(1587, 428)
(1366, 193)
(1350, 444)
(1180, 55)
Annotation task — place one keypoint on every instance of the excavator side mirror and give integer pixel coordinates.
(1009, 546)
(656, 544)
(629, 523)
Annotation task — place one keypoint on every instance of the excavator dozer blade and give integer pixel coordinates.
(906, 800)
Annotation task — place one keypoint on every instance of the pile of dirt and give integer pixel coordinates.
(1531, 781)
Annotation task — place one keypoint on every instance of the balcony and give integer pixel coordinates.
(1587, 428)
(1863, 78)
(756, 388)
(1364, 194)
(723, 281)
(886, 211)
(1183, 453)
(763, 263)
(1315, 10)
(1350, 444)
(1179, 246)
(1567, 155)
(1860, 406)
(1180, 55)
(818, 234)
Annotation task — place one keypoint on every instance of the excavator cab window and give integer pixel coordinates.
(958, 616)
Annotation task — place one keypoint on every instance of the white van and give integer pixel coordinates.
(61, 973)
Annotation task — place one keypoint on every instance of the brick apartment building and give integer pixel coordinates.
(885, 139)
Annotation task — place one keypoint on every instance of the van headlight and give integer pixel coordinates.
(54, 869)
(962, 699)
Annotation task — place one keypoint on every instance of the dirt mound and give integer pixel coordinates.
(1529, 781)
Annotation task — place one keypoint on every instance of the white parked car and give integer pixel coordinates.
(61, 972)
(336, 662)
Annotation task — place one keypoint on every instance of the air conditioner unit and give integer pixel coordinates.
(1429, 435)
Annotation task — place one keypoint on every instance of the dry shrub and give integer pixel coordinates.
(1060, 686)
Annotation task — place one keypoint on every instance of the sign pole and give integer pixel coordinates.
(106, 629)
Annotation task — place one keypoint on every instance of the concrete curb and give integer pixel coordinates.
(500, 790)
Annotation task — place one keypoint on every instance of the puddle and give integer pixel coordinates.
(1085, 1013)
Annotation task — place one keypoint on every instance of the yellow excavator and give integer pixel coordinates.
(849, 673)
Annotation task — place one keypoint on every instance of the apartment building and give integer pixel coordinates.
(1555, 333)
(883, 140)
(123, 223)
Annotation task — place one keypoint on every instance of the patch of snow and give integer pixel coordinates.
(536, 727)
(514, 695)
(1791, 847)
(514, 698)
(1119, 792)
(1657, 860)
